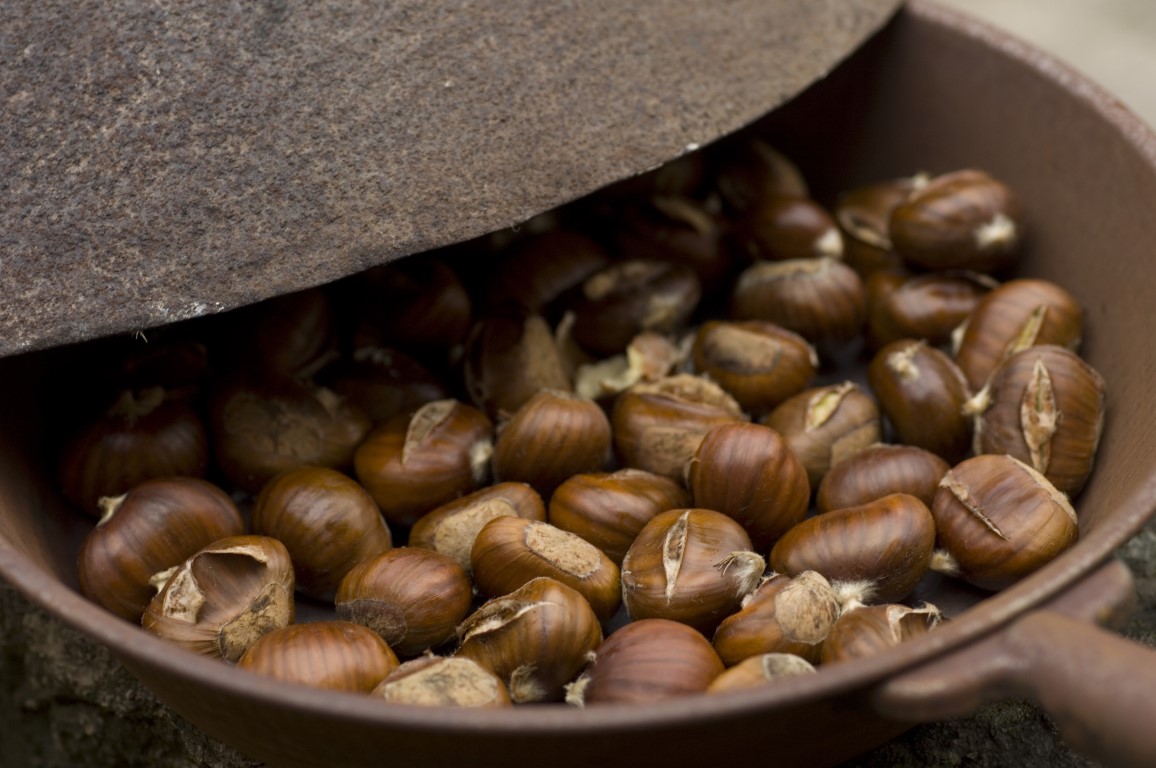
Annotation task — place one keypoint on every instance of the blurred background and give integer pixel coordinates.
(1111, 41)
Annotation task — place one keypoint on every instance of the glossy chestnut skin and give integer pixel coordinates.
(265, 424)
(929, 306)
(781, 228)
(418, 304)
(825, 425)
(511, 551)
(675, 228)
(823, 300)
(442, 681)
(226, 596)
(694, 566)
(452, 527)
(758, 363)
(608, 509)
(416, 462)
(553, 436)
(922, 392)
(629, 297)
(535, 639)
(747, 472)
(414, 598)
(1018, 314)
(144, 434)
(965, 219)
(751, 171)
(879, 470)
(646, 661)
(887, 543)
(1044, 406)
(337, 655)
(534, 272)
(152, 528)
(658, 427)
(871, 629)
(293, 334)
(1001, 520)
(863, 214)
(328, 522)
(784, 615)
(757, 671)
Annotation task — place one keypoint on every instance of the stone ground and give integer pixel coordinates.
(64, 702)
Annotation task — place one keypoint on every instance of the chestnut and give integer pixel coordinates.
(752, 171)
(694, 566)
(1000, 520)
(416, 462)
(1044, 406)
(922, 392)
(452, 527)
(511, 551)
(608, 509)
(1016, 315)
(327, 521)
(670, 227)
(649, 357)
(658, 427)
(442, 681)
(646, 661)
(825, 425)
(554, 435)
(223, 598)
(534, 272)
(414, 598)
(154, 527)
(886, 545)
(415, 303)
(781, 228)
(144, 434)
(760, 670)
(823, 300)
(871, 629)
(384, 381)
(784, 615)
(294, 334)
(759, 363)
(966, 219)
(337, 655)
(926, 307)
(535, 639)
(879, 470)
(863, 214)
(747, 472)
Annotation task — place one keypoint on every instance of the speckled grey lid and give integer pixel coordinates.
(161, 160)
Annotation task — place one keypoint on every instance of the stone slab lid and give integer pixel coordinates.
(165, 159)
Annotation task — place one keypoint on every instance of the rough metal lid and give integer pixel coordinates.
(161, 160)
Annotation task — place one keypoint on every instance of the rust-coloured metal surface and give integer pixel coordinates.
(166, 160)
(934, 91)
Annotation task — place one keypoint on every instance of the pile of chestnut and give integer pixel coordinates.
(692, 433)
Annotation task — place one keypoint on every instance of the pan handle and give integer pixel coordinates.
(1097, 687)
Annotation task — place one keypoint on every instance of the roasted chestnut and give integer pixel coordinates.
(760, 670)
(758, 363)
(781, 228)
(928, 307)
(443, 681)
(871, 629)
(337, 655)
(823, 300)
(784, 615)
(879, 470)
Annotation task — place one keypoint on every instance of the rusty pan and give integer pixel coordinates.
(934, 91)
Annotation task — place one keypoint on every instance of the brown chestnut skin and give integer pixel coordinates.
(535, 639)
(328, 522)
(416, 462)
(1016, 315)
(533, 273)
(693, 565)
(761, 670)
(748, 172)
(886, 543)
(863, 214)
(443, 681)
(1044, 406)
(781, 228)
(922, 392)
(414, 598)
(658, 427)
(747, 472)
(608, 509)
(784, 615)
(510, 551)
(823, 300)
(632, 296)
(223, 598)
(415, 303)
(144, 434)
(879, 470)
(926, 307)
(758, 363)
(646, 661)
(553, 436)
(452, 527)
(294, 334)
(336, 655)
(825, 425)
(667, 227)
(384, 381)
(1001, 520)
(872, 629)
(154, 527)
(965, 219)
